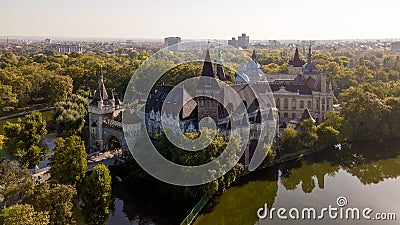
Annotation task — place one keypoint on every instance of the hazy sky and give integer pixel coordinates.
(203, 19)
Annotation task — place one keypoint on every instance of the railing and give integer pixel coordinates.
(195, 211)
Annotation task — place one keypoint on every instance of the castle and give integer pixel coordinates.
(301, 93)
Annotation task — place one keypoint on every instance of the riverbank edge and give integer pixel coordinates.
(192, 216)
(19, 114)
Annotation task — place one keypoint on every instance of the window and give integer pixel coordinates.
(309, 104)
(301, 104)
(327, 104)
(317, 104)
(293, 115)
(285, 115)
(278, 103)
(286, 103)
(294, 104)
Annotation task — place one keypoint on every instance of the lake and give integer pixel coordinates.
(365, 173)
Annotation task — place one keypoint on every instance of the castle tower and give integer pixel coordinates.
(296, 64)
(100, 109)
(208, 90)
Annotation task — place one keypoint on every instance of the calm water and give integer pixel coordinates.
(138, 202)
(365, 173)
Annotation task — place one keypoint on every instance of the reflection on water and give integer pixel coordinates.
(139, 202)
(365, 172)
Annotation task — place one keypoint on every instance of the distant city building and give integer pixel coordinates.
(233, 42)
(242, 41)
(396, 46)
(172, 43)
(67, 48)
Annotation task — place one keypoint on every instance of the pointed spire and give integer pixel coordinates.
(296, 61)
(309, 55)
(306, 115)
(219, 68)
(207, 66)
(330, 86)
(258, 117)
(254, 56)
(219, 58)
(270, 114)
(101, 92)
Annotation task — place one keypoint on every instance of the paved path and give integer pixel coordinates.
(107, 158)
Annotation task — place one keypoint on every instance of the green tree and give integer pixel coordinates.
(290, 140)
(307, 132)
(68, 163)
(24, 215)
(23, 139)
(59, 88)
(69, 116)
(327, 136)
(8, 99)
(14, 183)
(365, 112)
(96, 195)
(56, 200)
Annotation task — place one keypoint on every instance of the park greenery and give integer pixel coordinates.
(366, 84)
(24, 139)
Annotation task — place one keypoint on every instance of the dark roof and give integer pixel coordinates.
(306, 115)
(254, 56)
(310, 82)
(172, 100)
(101, 92)
(207, 79)
(221, 73)
(302, 88)
(207, 66)
(296, 61)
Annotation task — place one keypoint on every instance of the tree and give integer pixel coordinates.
(59, 87)
(327, 136)
(365, 112)
(23, 139)
(8, 99)
(307, 132)
(69, 115)
(339, 123)
(96, 195)
(56, 200)
(290, 140)
(24, 215)
(1, 142)
(68, 164)
(14, 182)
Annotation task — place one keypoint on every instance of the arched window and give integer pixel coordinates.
(286, 103)
(301, 104)
(278, 103)
(309, 104)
